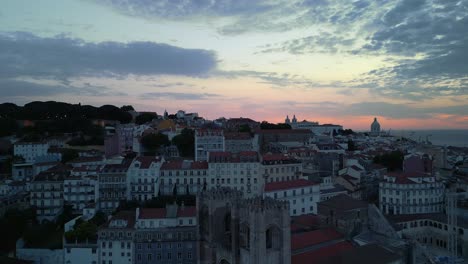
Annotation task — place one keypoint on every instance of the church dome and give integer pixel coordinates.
(375, 126)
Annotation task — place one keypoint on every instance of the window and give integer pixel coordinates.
(122, 254)
(150, 257)
(103, 244)
(169, 256)
(139, 256)
(103, 254)
(189, 255)
(179, 255)
(94, 251)
(110, 254)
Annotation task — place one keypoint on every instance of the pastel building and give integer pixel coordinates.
(238, 171)
(166, 235)
(143, 177)
(302, 195)
(208, 140)
(411, 193)
(30, 150)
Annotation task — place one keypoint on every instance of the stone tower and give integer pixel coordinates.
(235, 230)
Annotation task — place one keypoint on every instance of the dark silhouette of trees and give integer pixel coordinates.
(152, 142)
(392, 161)
(145, 118)
(185, 142)
(266, 125)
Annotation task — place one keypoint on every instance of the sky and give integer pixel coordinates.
(332, 61)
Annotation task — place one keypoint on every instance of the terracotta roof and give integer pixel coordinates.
(128, 216)
(368, 254)
(311, 238)
(151, 213)
(146, 161)
(320, 255)
(187, 211)
(285, 185)
(277, 157)
(405, 177)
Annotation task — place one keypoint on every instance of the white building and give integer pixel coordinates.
(239, 171)
(115, 239)
(142, 177)
(208, 140)
(80, 191)
(281, 167)
(47, 192)
(410, 193)
(30, 150)
(183, 176)
(302, 195)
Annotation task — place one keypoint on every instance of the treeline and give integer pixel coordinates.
(55, 118)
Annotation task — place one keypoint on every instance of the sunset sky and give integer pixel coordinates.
(331, 61)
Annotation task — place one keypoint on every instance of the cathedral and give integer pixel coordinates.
(236, 230)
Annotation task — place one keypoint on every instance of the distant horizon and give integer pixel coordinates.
(281, 120)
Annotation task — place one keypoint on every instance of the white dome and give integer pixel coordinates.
(375, 126)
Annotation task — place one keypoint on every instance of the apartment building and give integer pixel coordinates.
(410, 193)
(47, 192)
(238, 171)
(302, 195)
(208, 140)
(166, 235)
(183, 177)
(281, 167)
(143, 175)
(30, 150)
(236, 142)
(80, 190)
(113, 185)
(115, 239)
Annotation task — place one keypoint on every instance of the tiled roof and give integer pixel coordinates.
(320, 255)
(86, 159)
(311, 238)
(128, 216)
(187, 211)
(146, 161)
(151, 213)
(285, 185)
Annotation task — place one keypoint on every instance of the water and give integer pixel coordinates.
(455, 137)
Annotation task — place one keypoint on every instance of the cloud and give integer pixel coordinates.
(22, 88)
(23, 54)
(323, 42)
(178, 96)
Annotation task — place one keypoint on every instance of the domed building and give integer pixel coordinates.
(375, 127)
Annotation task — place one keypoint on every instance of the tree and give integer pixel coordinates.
(152, 142)
(185, 142)
(69, 154)
(392, 161)
(145, 118)
(266, 125)
(127, 108)
(245, 128)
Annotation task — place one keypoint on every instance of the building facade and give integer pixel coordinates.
(30, 150)
(208, 140)
(410, 193)
(302, 195)
(166, 235)
(113, 185)
(239, 171)
(143, 176)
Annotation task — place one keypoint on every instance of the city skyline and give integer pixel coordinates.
(331, 61)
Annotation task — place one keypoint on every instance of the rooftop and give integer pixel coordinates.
(184, 165)
(311, 238)
(285, 185)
